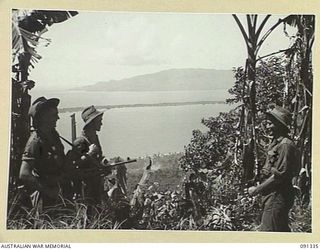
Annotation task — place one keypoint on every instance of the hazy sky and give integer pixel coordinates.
(101, 46)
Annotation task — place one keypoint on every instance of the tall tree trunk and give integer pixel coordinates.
(253, 45)
(305, 24)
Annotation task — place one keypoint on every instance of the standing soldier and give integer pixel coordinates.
(43, 157)
(88, 145)
(282, 164)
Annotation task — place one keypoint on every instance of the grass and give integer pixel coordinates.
(300, 218)
(160, 214)
(165, 173)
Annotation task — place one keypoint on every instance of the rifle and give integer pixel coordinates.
(99, 169)
(94, 171)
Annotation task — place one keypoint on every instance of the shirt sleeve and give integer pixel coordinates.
(81, 145)
(32, 150)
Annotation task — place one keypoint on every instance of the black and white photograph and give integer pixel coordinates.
(127, 120)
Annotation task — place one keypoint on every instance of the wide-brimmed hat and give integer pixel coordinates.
(89, 114)
(40, 104)
(280, 114)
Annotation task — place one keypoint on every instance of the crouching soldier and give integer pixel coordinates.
(282, 164)
(43, 157)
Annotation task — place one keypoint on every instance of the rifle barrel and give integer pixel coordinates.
(122, 162)
(94, 170)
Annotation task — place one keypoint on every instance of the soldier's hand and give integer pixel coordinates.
(104, 162)
(93, 149)
(252, 190)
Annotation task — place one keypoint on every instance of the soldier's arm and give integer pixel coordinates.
(284, 168)
(29, 157)
(84, 149)
(33, 182)
(80, 150)
(268, 183)
(27, 177)
(281, 170)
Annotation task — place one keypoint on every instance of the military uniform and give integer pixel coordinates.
(283, 163)
(46, 155)
(91, 187)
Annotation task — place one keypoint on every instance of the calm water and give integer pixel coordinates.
(142, 131)
(70, 99)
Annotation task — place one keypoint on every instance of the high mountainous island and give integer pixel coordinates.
(169, 80)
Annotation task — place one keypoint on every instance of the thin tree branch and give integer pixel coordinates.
(254, 37)
(249, 23)
(309, 48)
(311, 42)
(255, 22)
(280, 51)
(268, 33)
(251, 32)
(251, 28)
(262, 25)
(244, 34)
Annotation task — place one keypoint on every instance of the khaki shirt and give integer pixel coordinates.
(283, 161)
(47, 157)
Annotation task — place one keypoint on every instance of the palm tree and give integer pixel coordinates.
(253, 45)
(300, 54)
(27, 29)
(301, 57)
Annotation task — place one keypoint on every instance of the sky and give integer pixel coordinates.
(102, 46)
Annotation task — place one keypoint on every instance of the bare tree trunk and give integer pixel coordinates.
(253, 45)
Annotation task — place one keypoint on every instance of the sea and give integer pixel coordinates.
(140, 131)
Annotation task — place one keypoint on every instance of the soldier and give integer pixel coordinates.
(88, 145)
(282, 164)
(43, 157)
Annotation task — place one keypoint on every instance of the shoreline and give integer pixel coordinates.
(141, 105)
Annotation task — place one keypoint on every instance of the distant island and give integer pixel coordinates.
(78, 109)
(169, 80)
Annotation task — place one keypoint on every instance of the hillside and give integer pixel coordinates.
(169, 80)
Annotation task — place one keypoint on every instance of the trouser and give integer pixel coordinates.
(92, 190)
(276, 208)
